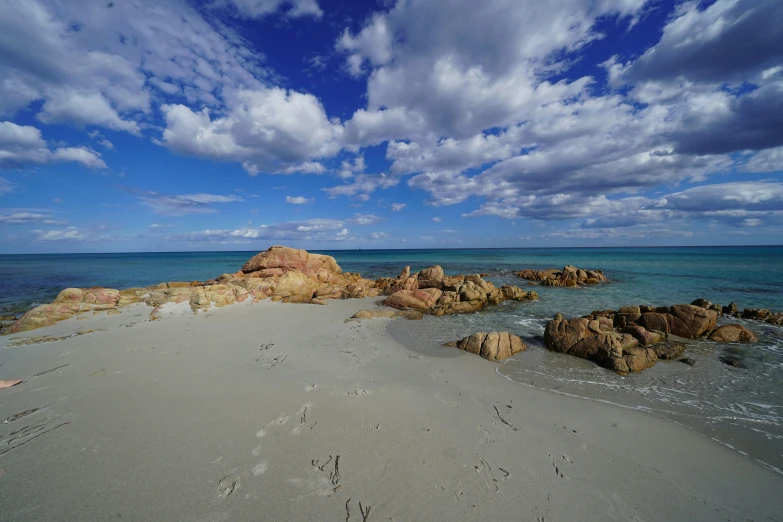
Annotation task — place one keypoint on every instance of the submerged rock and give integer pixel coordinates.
(494, 346)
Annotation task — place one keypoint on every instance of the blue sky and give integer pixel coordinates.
(133, 125)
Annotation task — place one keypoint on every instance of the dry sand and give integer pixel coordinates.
(241, 413)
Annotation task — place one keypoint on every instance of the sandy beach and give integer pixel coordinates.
(272, 411)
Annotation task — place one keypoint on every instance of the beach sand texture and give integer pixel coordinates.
(271, 411)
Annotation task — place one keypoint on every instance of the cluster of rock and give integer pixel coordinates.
(287, 275)
(633, 338)
(755, 314)
(280, 273)
(432, 292)
(493, 346)
(568, 276)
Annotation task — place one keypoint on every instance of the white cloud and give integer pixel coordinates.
(363, 185)
(437, 219)
(298, 200)
(22, 145)
(180, 205)
(365, 219)
(267, 129)
(396, 207)
(69, 235)
(262, 8)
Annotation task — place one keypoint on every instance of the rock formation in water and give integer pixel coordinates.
(433, 292)
(287, 275)
(633, 338)
(493, 346)
(570, 276)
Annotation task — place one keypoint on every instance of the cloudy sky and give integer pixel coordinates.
(143, 125)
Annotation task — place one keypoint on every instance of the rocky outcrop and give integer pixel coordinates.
(284, 274)
(569, 276)
(432, 292)
(732, 333)
(598, 341)
(494, 346)
(685, 320)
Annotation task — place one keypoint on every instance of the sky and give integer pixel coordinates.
(168, 125)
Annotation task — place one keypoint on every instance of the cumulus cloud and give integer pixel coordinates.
(365, 219)
(363, 185)
(266, 129)
(298, 200)
(305, 230)
(22, 145)
(396, 207)
(728, 41)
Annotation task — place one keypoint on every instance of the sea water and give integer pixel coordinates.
(741, 408)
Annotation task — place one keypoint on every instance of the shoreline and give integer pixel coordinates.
(221, 414)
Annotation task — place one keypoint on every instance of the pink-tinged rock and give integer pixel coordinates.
(102, 296)
(45, 315)
(70, 295)
(290, 259)
(422, 299)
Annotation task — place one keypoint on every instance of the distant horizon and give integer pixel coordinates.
(390, 249)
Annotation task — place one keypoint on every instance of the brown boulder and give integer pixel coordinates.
(732, 333)
(691, 321)
(515, 293)
(431, 277)
(669, 351)
(645, 337)
(494, 346)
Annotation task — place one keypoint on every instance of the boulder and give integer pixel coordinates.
(596, 341)
(431, 277)
(669, 351)
(290, 259)
(494, 346)
(422, 299)
(732, 333)
(691, 321)
(569, 276)
(645, 337)
(514, 293)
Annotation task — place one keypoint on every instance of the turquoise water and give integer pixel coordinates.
(750, 276)
(741, 408)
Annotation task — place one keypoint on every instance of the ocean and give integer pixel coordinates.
(741, 408)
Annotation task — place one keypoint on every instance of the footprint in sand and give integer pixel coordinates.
(448, 404)
(489, 437)
(484, 471)
(311, 387)
(259, 469)
(228, 485)
(278, 421)
(357, 392)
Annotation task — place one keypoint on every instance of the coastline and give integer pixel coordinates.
(202, 417)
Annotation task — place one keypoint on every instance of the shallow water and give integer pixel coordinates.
(739, 407)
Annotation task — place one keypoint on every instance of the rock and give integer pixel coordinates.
(691, 321)
(514, 293)
(654, 321)
(688, 361)
(422, 299)
(570, 276)
(70, 295)
(732, 360)
(732, 333)
(731, 309)
(589, 339)
(289, 259)
(451, 344)
(669, 351)
(494, 346)
(645, 337)
(702, 303)
(431, 277)
(412, 315)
